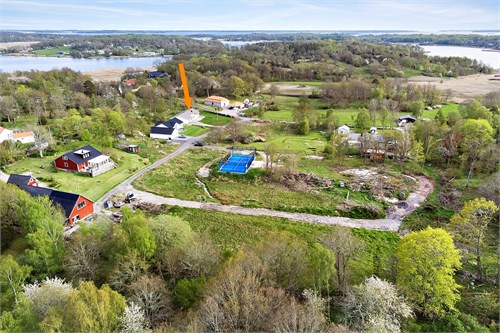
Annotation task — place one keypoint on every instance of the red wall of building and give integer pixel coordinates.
(59, 162)
(82, 212)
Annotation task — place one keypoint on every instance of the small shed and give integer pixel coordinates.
(373, 130)
(344, 129)
(133, 148)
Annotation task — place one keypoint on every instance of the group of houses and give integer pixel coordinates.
(222, 103)
(23, 137)
(173, 127)
(86, 160)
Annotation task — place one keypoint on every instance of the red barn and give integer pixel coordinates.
(86, 159)
(74, 206)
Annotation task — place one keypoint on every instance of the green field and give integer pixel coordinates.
(312, 143)
(177, 177)
(91, 187)
(52, 51)
(194, 130)
(344, 116)
(214, 119)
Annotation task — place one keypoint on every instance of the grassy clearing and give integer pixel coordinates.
(214, 119)
(301, 83)
(194, 130)
(91, 187)
(177, 177)
(304, 144)
(52, 51)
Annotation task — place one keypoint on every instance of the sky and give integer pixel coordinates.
(416, 15)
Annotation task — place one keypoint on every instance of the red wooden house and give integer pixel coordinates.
(86, 159)
(74, 206)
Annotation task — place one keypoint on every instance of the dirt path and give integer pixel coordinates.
(391, 223)
(404, 208)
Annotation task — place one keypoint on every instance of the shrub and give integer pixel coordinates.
(188, 291)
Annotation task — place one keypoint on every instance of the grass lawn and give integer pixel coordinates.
(304, 144)
(20, 122)
(214, 119)
(177, 177)
(91, 187)
(446, 109)
(194, 130)
(52, 51)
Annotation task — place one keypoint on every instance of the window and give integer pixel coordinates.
(81, 205)
(76, 218)
(65, 164)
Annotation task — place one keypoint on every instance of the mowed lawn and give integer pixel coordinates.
(190, 130)
(214, 119)
(91, 187)
(312, 143)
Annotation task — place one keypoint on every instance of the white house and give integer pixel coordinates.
(373, 130)
(189, 116)
(217, 101)
(5, 134)
(24, 137)
(344, 129)
(166, 133)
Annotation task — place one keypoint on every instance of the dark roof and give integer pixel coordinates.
(407, 117)
(169, 123)
(78, 159)
(156, 74)
(162, 130)
(65, 199)
(19, 180)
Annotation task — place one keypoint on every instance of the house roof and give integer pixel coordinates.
(407, 117)
(18, 179)
(22, 135)
(78, 158)
(1, 129)
(156, 74)
(186, 115)
(162, 130)
(66, 200)
(169, 123)
(216, 99)
(130, 82)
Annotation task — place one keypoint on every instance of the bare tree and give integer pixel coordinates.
(274, 90)
(43, 138)
(344, 245)
(152, 295)
(9, 108)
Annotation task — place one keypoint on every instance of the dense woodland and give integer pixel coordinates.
(159, 271)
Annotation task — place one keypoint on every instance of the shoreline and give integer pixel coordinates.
(94, 57)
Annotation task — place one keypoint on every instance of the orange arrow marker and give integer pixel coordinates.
(187, 98)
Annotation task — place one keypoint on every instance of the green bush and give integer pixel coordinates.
(461, 323)
(188, 291)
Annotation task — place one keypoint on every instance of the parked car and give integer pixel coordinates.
(198, 143)
(118, 204)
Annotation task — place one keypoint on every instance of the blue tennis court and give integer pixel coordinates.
(236, 164)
